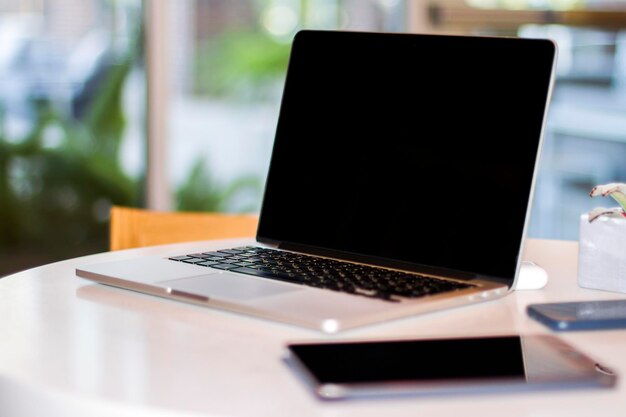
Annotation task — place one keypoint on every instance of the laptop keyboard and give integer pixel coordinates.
(324, 273)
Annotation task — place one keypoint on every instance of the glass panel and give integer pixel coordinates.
(229, 64)
(586, 133)
(71, 125)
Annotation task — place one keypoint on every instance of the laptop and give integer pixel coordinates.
(400, 183)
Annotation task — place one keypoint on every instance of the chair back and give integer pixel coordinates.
(133, 227)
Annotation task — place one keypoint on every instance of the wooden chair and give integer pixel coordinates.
(133, 227)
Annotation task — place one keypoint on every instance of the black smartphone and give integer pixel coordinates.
(451, 365)
(581, 315)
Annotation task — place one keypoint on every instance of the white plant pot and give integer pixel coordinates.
(602, 254)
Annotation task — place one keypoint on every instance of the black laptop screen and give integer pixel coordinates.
(414, 148)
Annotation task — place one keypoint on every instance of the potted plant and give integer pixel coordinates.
(602, 248)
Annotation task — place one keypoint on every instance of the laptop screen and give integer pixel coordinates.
(412, 148)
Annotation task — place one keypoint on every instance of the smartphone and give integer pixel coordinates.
(451, 365)
(582, 315)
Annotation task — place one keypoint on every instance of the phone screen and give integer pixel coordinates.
(345, 369)
(414, 360)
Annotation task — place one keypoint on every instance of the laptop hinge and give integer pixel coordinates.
(371, 260)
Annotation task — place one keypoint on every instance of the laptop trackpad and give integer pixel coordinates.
(228, 286)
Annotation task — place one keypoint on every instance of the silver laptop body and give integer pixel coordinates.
(412, 153)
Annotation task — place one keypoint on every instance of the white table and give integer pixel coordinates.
(69, 347)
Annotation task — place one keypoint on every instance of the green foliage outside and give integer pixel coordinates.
(236, 67)
(240, 64)
(54, 199)
(201, 193)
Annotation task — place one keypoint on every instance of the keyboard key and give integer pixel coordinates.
(244, 263)
(218, 254)
(207, 263)
(198, 255)
(179, 258)
(193, 260)
(231, 251)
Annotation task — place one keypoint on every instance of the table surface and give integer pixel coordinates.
(71, 347)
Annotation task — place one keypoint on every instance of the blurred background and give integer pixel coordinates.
(172, 105)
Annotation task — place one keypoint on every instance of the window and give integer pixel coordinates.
(228, 61)
(73, 102)
(71, 125)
